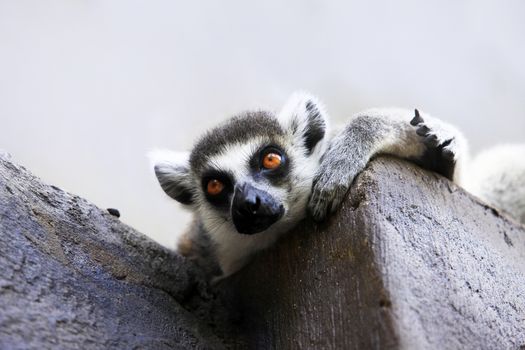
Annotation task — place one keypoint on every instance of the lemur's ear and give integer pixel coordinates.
(304, 117)
(173, 172)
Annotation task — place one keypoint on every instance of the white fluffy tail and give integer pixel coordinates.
(497, 176)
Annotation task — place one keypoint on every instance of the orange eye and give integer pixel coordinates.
(272, 160)
(214, 187)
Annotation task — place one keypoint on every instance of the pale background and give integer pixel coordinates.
(88, 87)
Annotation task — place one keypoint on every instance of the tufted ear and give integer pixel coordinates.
(173, 172)
(305, 118)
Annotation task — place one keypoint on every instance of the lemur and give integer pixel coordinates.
(254, 177)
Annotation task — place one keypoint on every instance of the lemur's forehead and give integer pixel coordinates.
(239, 130)
(235, 159)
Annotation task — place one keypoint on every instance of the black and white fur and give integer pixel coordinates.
(299, 130)
(319, 169)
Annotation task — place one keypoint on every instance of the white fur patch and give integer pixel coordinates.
(497, 176)
(235, 158)
(164, 157)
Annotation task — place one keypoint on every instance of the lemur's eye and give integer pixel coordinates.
(271, 160)
(214, 187)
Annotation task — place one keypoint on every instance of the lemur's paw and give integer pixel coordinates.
(441, 147)
(327, 195)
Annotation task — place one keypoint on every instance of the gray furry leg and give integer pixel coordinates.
(348, 154)
(429, 142)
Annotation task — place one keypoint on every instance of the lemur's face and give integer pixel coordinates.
(252, 174)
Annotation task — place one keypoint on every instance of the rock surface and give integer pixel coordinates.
(410, 261)
(72, 276)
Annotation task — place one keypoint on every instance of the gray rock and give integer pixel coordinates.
(72, 276)
(410, 261)
(4, 154)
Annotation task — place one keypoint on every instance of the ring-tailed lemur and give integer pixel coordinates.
(254, 177)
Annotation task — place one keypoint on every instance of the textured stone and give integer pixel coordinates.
(74, 277)
(411, 261)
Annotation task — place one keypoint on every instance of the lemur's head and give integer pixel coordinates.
(252, 174)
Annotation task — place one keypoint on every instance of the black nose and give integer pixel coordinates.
(252, 202)
(254, 210)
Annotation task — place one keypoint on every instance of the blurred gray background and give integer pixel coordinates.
(87, 88)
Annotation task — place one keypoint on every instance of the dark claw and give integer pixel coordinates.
(422, 130)
(417, 119)
(447, 142)
(447, 154)
(431, 140)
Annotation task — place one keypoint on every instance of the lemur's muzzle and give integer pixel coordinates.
(254, 210)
